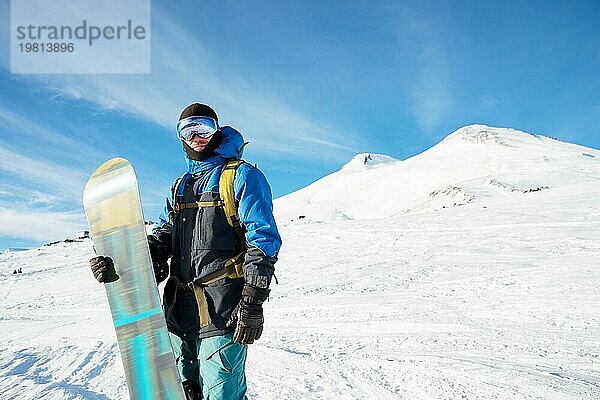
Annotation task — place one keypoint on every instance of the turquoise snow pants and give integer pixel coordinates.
(216, 363)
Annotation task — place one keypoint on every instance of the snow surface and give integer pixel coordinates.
(495, 296)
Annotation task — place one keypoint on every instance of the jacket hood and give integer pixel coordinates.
(232, 146)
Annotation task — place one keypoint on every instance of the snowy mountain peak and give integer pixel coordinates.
(477, 165)
(365, 161)
(485, 134)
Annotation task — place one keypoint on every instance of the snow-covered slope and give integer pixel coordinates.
(475, 164)
(496, 299)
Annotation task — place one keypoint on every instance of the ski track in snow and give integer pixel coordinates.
(495, 299)
(464, 303)
(55, 338)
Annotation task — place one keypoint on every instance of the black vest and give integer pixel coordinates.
(202, 241)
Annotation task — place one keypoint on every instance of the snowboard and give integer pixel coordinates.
(113, 209)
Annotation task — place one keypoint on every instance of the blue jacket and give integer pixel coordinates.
(194, 257)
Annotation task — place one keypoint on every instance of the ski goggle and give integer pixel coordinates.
(202, 126)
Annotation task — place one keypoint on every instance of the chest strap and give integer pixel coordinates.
(197, 204)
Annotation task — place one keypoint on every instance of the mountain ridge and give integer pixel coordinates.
(474, 164)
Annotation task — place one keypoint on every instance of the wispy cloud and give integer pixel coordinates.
(61, 180)
(430, 86)
(44, 201)
(431, 98)
(17, 194)
(176, 81)
(490, 103)
(39, 224)
(39, 198)
(42, 175)
(16, 127)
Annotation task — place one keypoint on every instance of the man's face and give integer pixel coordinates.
(197, 143)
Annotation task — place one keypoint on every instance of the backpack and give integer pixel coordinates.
(226, 193)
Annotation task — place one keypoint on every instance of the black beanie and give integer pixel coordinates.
(198, 110)
(201, 110)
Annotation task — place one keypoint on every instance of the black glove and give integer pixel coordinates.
(159, 252)
(192, 390)
(103, 269)
(247, 317)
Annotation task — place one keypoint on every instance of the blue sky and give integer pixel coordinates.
(308, 83)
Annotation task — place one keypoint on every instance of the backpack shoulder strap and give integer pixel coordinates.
(227, 194)
(177, 195)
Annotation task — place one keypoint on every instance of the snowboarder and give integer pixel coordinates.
(219, 232)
